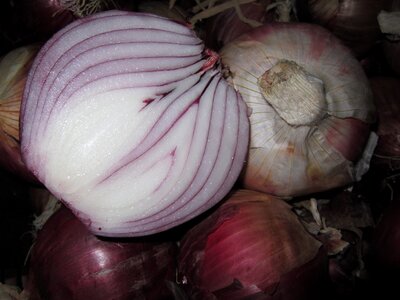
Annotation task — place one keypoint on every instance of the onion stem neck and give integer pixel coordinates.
(296, 95)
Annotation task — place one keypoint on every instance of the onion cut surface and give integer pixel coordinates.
(311, 108)
(126, 119)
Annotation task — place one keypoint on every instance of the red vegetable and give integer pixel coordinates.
(126, 119)
(227, 25)
(68, 262)
(311, 107)
(353, 21)
(252, 247)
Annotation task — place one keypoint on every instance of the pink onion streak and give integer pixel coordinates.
(311, 106)
(125, 119)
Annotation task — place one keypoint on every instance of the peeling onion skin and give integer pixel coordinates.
(126, 118)
(252, 247)
(68, 262)
(293, 150)
(14, 68)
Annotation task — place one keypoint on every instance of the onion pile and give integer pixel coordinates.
(14, 68)
(231, 23)
(68, 262)
(252, 247)
(126, 119)
(354, 22)
(311, 108)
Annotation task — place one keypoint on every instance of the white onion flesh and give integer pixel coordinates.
(124, 120)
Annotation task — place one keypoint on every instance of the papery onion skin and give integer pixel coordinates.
(291, 160)
(68, 262)
(14, 68)
(226, 26)
(353, 21)
(252, 247)
(169, 145)
(386, 92)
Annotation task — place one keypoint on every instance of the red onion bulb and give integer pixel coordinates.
(252, 247)
(354, 22)
(68, 262)
(128, 122)
(311, 108)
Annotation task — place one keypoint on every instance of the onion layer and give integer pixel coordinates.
(252, 247)
(127, 121)
(68, 262)
(310, 104)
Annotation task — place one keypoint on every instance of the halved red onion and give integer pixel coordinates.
(69, 262)
(253, 246)
(126, 119)
(311, 108)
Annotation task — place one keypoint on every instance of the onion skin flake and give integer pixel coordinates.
(126, 121)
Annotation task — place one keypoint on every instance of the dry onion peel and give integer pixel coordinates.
(128, 122)
(14, 68)
(311, 108)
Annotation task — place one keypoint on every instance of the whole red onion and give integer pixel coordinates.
(353, 21)
(386, 92)
(68, 262)
(311, 108)
(227, 25)
(252, 247)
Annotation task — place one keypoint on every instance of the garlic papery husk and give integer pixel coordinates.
(311, 108)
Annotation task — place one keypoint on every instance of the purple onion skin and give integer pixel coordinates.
(68, 262)
(226, 26)
(205, 240)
